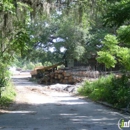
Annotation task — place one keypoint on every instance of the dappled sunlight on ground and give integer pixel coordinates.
(37, 108)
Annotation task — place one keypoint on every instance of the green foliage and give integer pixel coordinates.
(4, 76)
(124, 57)
(30, 29)
(123, 35)
(118, 13)
(29, 66)
(7, 6)
(113, 53)
(24, 64)
(8, 95)
(33, 31)
(2, 84)
(109, 50)
(110, 41)
(86, 89)
(107, 59)
(78, 52)
(74, 38)
(47, 63)
(115, 91)
(117, 47)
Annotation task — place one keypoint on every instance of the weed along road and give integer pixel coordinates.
(37, 108)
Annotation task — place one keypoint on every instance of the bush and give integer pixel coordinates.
(8, 95)
(109, 89)
(4, 77)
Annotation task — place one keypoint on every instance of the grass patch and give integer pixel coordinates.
(8, 95)
(115, 91)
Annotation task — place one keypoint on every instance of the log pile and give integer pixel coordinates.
(90, 74)
(40, 71)
(50, 74)
(59, 76)
(34, 72)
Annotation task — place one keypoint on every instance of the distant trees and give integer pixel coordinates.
(31, 29)
(76, 26)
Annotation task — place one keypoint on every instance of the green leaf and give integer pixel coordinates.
(107, 59)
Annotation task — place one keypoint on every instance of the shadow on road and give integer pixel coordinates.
(61, 112)
(65, 115)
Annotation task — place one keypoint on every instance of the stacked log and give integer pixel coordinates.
(50, 74)
(39, 71)
(58, 76)
(90, 74)
(34, 72)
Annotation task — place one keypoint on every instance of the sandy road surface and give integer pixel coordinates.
(37, 108)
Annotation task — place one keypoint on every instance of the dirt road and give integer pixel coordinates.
(37, 108)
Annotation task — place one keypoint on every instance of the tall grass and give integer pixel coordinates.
(8, 95)
(110, 89)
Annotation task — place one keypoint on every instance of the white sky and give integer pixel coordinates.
(62, 49)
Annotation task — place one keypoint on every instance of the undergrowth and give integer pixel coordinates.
(8, 95)
(115, 91)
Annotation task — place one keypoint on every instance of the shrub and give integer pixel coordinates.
(7, 95)
(109, 89)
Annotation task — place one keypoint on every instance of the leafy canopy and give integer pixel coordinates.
(113, 53)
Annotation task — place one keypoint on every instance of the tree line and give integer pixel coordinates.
(52, 30)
